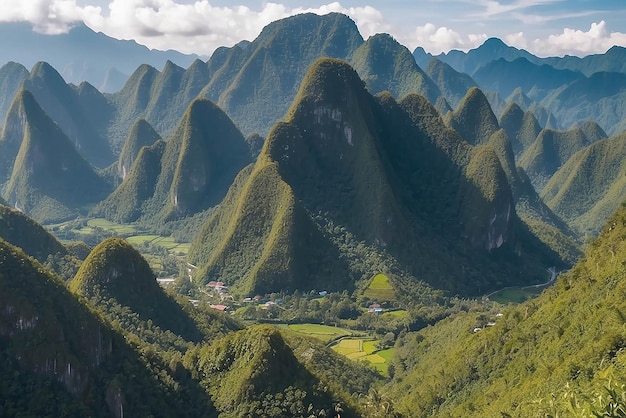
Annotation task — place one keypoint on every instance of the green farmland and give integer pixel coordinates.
(365, 350)
(323, 333)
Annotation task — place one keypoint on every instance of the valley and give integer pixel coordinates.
(312, 223)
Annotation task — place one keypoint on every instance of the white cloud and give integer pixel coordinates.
(442, 39)
(200, 27)
(492, 8)
(577, 42)
(47, 16)
(517, 40)
(170, 24)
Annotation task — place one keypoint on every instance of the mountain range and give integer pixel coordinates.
(302, 165)
(82, 54)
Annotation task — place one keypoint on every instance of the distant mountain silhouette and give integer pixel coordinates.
(82, 54)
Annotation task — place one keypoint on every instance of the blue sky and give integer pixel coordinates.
(544, 27)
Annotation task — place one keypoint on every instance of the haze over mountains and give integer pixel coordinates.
(82, 54)
(297, 167)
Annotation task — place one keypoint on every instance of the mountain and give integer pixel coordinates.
(452, 84)
(81, 54)
(543, 116)
(590, 186)
(22, 231)
(521, 127)
(126, 203)
(159, 97)
(497, 103)
(532, 359)
(385, 65)
(491, 50)
(611, 61)
(255, 82)
(141, 135)
(255, 143)
(115, 271)
(475, 121)
(473, 118)
(552, 149)
(12, 75)
(83, 123)
(442, 106)
(345, 167)
(520, 98)
(189, 173)
(258, 364)
(57, 348)
(599, 97)
(505, 76)
(422, 57)
(49, 180)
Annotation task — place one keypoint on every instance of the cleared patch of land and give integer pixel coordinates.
(380, 289)
(323, 333)
(400, 314)
(365, 350)
(515, 295)
(111, 226)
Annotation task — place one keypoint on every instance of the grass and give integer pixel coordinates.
(380, 281)
(323, 333)
(111, 226)
(365, 350)
(380, 289)
(385, 356)
(515, 295)
(400, 314)
(129, 233)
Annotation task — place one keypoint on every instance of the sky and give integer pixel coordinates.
(543, 27)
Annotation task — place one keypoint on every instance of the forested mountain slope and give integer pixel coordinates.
(550, 356)
(328, 165)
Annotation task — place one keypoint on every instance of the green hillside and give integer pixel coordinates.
(61, 358)
(84, 124)
(551, 356)
(473, 118)
(126, 203)
(274, 64)
(385, 65)
(12, 75)
(452, 84)
(599, 97)
(115, 273)
(589, 187)
(442, 106)
(552, 149)
(254, 372)
(50, 179)
(187, 174)
(159, 97)
(141, 135)
(521, 127)
(200, 160)
(327, 174)
(21, 231)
